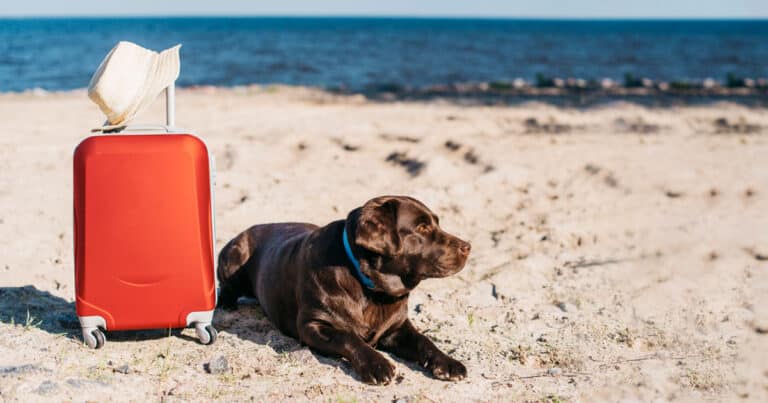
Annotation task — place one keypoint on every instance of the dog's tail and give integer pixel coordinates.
(233, 278)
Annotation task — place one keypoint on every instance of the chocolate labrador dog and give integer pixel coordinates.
(343, 289)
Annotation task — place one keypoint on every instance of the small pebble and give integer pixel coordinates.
(218, 365)
(46, 387)
(564, 306)
(123, 369)
(672, 194)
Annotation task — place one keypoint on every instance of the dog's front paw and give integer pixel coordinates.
(375, 369)
(446, 368)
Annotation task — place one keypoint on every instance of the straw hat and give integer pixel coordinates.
(130, 78)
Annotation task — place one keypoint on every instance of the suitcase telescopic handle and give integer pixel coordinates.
(170, 117)
(170, 105)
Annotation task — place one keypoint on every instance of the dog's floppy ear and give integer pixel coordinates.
(377, 226)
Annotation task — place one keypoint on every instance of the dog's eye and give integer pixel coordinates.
(423, 228)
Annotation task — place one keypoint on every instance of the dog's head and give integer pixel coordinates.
(402, 243)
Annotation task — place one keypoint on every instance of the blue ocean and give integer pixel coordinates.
(361, 54)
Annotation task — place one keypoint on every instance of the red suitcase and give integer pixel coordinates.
(143, 213)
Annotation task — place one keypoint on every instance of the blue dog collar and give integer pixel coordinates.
(364, 280)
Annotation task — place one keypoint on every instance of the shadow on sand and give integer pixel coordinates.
(27, 306)
(30, 307)
(249, 323)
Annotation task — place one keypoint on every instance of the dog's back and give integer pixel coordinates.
(240, 270)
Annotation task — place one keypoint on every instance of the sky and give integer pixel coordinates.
(450, 8)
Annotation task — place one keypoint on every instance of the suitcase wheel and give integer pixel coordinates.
(94, 338)
(206, 333)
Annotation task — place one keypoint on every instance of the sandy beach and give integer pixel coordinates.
(620, 252)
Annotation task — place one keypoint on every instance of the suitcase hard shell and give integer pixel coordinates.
(143, 214)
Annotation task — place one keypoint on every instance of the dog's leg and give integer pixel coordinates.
(406, 342)
(369, 364)
(228, 295)
(233, 278)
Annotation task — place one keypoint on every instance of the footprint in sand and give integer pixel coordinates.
(757, 255)
(609, 178)
(638, 125)
(244, 197)
(228, 160)
(404, 139)
(344, 146)
(413, 166)
(740, 126)
(469, 156)
(534, 126)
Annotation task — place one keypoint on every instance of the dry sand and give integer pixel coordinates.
(619, 252)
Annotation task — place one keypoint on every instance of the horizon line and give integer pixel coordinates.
(393, 16)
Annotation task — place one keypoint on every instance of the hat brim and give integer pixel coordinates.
(164, 71)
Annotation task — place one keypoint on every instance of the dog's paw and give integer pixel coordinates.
(376, 370)
(447, 369)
